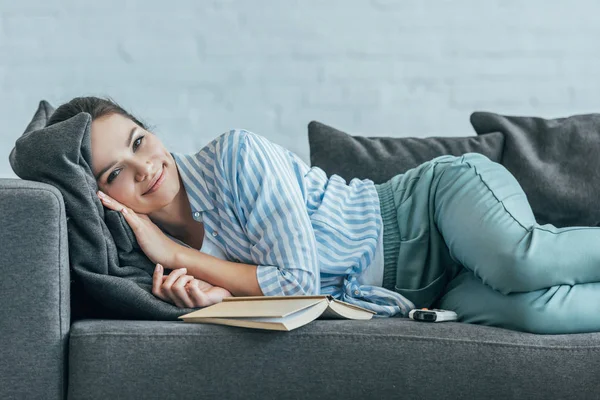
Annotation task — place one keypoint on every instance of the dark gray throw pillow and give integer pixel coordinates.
(40, 117)
(555, 161)
(380, 158)
(111, 275)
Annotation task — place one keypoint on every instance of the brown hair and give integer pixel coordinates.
(95, 106)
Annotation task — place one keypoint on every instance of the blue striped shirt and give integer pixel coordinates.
(308, 234)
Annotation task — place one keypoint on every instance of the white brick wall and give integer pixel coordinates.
(195, 69)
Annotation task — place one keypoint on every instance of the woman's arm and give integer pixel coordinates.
(268, 193)
(240, 279)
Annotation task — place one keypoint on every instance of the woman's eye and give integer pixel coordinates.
(112, 175)
(115, 173)
(136, 144)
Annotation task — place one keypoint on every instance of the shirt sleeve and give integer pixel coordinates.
(271, 204)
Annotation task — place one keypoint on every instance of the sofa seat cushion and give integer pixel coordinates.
(380, 358)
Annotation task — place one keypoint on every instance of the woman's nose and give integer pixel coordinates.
(144, 171)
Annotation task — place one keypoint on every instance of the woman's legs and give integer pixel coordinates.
(556, 310)
(488, 225)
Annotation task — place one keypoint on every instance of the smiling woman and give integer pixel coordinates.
(455, 232)
(136, 173)
(128, 161)
(265, 212)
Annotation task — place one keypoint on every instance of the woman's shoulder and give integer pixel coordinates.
(220, 147)
(236, 142)
(237, 136)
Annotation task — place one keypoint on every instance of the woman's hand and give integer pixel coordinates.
(154, 243)
(177, 288)
(185, 290)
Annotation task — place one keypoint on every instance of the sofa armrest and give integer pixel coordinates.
(34, 291)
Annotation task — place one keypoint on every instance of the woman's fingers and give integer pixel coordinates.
(179, 289)
(172, 288)
(157, 281)
(166, 285)
(179, 293)
(130, 216)
(172, 277)
(109, 202)
(198, 296)
(195, 290)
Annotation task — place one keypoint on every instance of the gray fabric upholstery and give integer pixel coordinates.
(105, 257)
(380, 158)
(555, 161)
(123, 359)
(34, 291)
(378, 359)
(40, 117)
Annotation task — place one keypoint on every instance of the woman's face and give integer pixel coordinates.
(127, 160)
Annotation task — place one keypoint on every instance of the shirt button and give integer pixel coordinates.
(196, 214)
(215, 233)
(356, 292)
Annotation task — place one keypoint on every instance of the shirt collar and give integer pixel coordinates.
(192, 175)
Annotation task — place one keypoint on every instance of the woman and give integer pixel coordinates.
(454, 232)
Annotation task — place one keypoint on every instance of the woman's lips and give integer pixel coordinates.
(158, 183)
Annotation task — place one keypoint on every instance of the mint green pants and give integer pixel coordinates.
(459, 234)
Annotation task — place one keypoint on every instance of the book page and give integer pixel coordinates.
(330, 313)
(349, 311)
(295, 315)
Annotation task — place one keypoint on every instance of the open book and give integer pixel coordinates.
(280, 313)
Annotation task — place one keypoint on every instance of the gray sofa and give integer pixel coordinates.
(48, 354)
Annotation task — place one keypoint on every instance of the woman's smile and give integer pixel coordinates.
(158, 182)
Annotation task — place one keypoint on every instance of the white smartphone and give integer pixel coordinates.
(432, 315)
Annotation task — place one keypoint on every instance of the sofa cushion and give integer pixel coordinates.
(383, 358)
(555, 161)
(380, 158)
